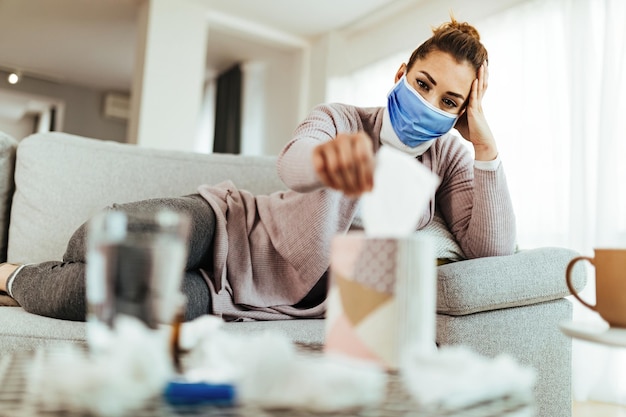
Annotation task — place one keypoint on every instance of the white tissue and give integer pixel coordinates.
(121, 377)
(456, 377)
(135, 366)
(268, 372)
(402, 189)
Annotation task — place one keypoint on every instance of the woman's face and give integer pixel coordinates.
(441, 80)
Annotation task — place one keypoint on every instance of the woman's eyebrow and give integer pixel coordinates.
(456, 95)
(432, 80)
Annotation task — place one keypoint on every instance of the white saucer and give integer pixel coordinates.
(595, 332)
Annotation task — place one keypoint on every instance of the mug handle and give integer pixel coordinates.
(568, 273)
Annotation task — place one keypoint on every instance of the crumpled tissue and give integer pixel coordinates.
(267, 370)
(133, 367)
(402, 189)
(456, 377)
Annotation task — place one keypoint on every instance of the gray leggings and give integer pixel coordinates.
(57, 289)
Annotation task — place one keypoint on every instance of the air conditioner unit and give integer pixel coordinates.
(117, 106)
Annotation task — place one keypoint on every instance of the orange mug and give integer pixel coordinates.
(610, 266)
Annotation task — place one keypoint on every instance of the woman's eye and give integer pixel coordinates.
(449, 103)
(421, 84)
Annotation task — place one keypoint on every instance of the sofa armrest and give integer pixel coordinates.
(527, 277)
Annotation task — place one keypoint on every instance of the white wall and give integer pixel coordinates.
(282, 103)
(273, 88)
(81, 108)
(293, 79)
(327, 59)
(296, 77)
(169, 74)
(366, 43)
(254, 115)
(382, 35)
(18, 128)
(271, 92)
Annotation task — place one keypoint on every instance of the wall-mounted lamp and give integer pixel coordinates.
(14, 77)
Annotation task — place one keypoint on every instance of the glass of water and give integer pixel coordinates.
(135, 265)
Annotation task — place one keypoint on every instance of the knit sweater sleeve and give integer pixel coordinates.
(476, 204)
(295, 161)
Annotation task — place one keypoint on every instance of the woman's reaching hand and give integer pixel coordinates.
(346, 163)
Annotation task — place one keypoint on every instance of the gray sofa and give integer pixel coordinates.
(51, 183)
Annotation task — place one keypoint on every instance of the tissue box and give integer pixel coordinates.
(381, 298)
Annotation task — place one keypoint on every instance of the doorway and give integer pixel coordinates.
(22, 114)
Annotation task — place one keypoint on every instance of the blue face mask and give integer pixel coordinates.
(413, 118)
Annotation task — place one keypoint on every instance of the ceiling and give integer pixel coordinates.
(92, 43)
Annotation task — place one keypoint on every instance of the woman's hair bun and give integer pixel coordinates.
(459, 39)
(454, 24)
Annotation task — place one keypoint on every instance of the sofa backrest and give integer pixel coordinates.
(8, 145)
(62, 180)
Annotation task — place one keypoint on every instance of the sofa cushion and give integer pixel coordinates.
(61, 181)
(8, 145)
(20, 330)
(527, 277)
(446, 248)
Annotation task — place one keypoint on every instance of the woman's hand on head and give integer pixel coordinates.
(472, 124)
(346, 163)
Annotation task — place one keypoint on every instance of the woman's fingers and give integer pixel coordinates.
(354, 171)
(478, 132)
(364, 158)
(479, 87)
(483, 79)
(320, 162)
(474, 93)
(346, 163)
(485, 76)
(345, 170)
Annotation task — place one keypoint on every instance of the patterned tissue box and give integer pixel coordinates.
(381, 297)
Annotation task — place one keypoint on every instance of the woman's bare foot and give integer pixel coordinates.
(6, 269)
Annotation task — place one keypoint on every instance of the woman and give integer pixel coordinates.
(267, 256)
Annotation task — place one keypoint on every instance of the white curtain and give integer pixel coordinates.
(556, 103)
(369, 86)
(556, 100)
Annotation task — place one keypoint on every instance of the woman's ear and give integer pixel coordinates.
(401, 71)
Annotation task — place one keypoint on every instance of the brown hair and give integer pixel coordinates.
(459, 39)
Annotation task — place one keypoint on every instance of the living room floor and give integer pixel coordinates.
(595, 409)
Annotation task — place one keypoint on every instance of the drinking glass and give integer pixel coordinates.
(135, 265)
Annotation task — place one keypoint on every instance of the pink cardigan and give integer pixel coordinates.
(270, 250)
